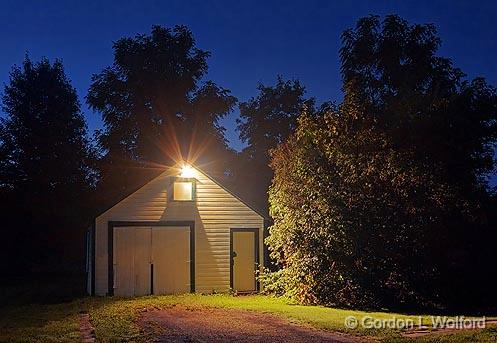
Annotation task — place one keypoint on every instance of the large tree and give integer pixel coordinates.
(45, 168)
(443, 125)
(267, 120)
(383, 202)
(155, 108)
(420, 99)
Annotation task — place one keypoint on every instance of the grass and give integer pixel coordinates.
(40, 323)
(114, 319)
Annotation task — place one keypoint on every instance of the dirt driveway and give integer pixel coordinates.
(180, 324)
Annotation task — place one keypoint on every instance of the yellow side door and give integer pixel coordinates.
(244, 261)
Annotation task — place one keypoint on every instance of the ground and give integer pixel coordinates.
(197, 318)
(180, 324)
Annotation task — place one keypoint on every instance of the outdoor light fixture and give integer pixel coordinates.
(184, 185)
(187, 171)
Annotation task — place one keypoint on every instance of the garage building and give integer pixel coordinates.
(181, 232)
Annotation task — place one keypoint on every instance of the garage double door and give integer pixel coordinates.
(151, 260)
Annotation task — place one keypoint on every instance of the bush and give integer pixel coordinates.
(382, 202)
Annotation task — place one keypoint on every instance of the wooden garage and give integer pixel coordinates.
(181, 232)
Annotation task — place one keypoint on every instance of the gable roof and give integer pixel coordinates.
(135, 189)
(232, 193)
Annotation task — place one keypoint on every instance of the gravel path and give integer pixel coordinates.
(180, 324)
(86, 331)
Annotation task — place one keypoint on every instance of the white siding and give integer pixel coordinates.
(214, 212)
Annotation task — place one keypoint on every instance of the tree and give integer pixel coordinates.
(420, 99)
(156, 110)
(383, 201)
(45, 167)
(442, 123)
(266, 121)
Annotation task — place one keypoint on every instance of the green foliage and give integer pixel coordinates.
(156, 109)
(420, 100)
(46, 169)
(43, 138)
(275, 283)
(331, 210)
(266, 120)
(373, 203)
(270, 117)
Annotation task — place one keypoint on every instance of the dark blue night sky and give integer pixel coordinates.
(250, 42)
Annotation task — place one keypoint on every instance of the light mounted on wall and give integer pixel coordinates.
(184, 185)
(187, 171)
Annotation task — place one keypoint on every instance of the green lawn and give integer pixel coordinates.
(114, 318)
(40, 323)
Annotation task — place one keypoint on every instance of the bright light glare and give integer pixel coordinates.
(187, 171)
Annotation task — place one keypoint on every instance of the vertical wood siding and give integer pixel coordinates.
(215, 211)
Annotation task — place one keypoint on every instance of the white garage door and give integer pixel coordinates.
(171, 260)
(151, 260)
